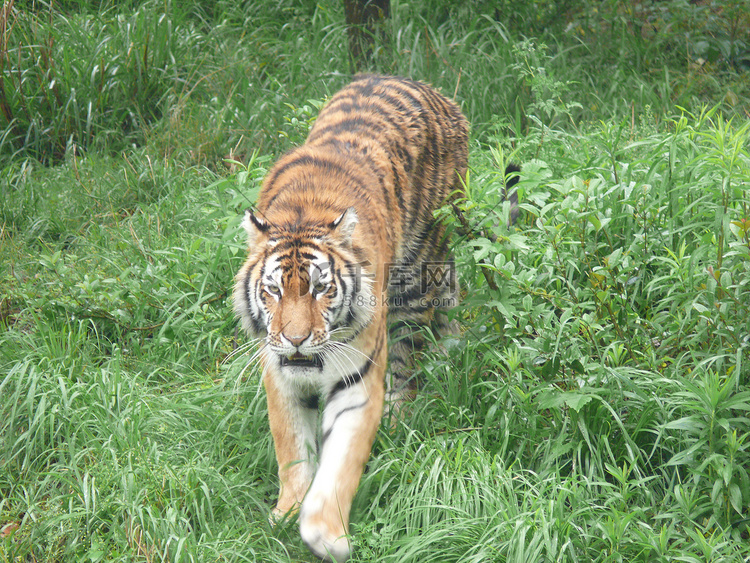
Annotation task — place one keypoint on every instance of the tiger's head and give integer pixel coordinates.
(303, 289)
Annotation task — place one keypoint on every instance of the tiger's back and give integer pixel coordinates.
(340, 243)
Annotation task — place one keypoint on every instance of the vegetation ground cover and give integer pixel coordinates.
(594, 406)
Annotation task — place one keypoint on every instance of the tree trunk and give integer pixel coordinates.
(366, 26)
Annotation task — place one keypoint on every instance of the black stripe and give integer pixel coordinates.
(306, 255)
(365, 86)
(409, 89)
(396, 103)
(360, 255)
(310, 402)
(340, 281)
(246, 294)
(255, 321)
(257, 325)
(347, 95)
(390, 110)
(404, 156)
(409, 94)
(293, 244)
(327, 433)
(350, 380)
(357, 376)
(278, 267)
(341, 104)
(355, 124)
(285, 246)
(387, 107)
(435, 155)
(332, 265)
(303, 160)
(398, 189)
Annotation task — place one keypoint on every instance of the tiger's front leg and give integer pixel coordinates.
(293, 421)
(351, 418)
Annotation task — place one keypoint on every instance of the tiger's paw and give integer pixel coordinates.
(279, 516)
(330, 543)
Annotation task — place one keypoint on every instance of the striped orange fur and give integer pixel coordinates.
(343, 243)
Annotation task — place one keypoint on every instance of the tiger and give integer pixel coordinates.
(344, 254)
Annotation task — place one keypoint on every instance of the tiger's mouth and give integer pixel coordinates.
(300, 360)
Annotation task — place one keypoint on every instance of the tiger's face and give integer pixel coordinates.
(304, 290)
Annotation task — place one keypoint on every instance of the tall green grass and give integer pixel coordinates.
(594, 406)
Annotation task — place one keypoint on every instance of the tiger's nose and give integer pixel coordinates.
(296, 341)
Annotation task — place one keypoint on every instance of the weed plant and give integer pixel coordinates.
(595, 405)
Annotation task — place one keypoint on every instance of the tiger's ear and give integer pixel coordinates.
(345, 223)
(254, 226)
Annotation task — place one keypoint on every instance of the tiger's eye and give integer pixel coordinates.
(320, 287)
(273, 289)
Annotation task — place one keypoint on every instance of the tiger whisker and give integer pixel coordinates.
(329, 356)
(331, 348)
(343, 329)
(257, 353)
(334, 347)
(240, 350)
(346, 346)
(252, 359)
